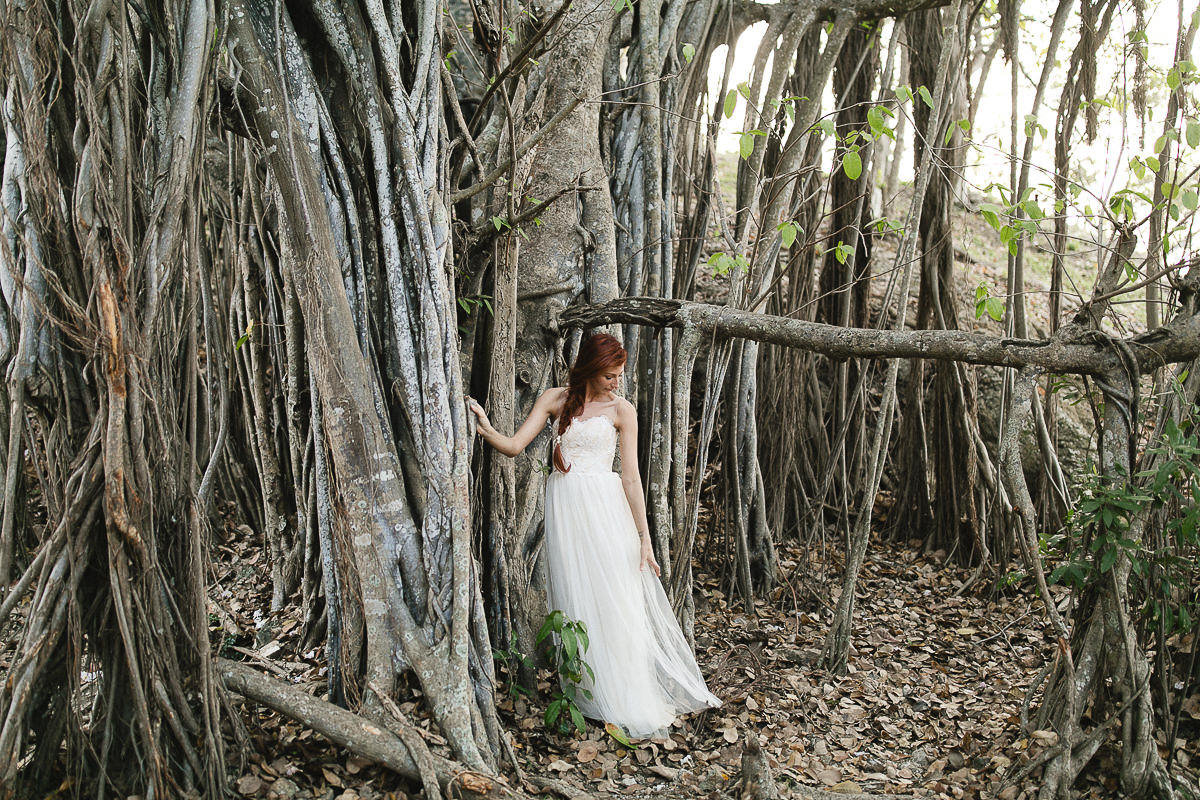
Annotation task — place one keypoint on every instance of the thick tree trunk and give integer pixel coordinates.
(568, 253)
(410, 544)
(105, 137)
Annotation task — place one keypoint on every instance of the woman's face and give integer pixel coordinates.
(609, 379)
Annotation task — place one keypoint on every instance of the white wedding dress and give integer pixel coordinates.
(645, 672)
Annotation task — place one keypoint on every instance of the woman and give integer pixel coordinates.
(600, 564)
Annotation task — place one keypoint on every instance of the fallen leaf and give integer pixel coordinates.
(249, 784)
(1047, 738)
(663, 772)
(618, 733)
(331, 777)
(474, 782)
(829, 777)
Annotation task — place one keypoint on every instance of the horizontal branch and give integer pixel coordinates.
(862, 9)
(355, 733)
(1175, 342)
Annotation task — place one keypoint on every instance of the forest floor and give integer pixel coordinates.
(930, 706)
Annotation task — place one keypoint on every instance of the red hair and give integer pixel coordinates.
(599, 352)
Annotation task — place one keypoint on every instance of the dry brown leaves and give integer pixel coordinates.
(929, 705)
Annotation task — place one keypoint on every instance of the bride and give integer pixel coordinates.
(600, 565)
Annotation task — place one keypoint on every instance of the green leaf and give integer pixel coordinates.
(569, 643)
(852, 164)
(551, 713)
(1152, 163)
(1192, 133)
(1189, 199)
(875, 119)
(746, 145)
(904, 93)
(616, 732)
(788, 233)
(1032, 210)
(994, 307)
(548, 626)
(1108, 559)
(245, 337)
(744, 89)
(991, 213)
(581, 635)
(577, 718)
(925, 96)
(826, 126)
(730, 103)
(721, 263)
(689, 52)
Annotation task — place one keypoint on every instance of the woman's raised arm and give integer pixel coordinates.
(543, 407)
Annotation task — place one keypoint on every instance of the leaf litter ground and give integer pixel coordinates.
(930, 705)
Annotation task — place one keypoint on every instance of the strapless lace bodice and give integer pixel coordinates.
(589, 444)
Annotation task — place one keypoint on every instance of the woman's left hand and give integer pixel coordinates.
(648, 557)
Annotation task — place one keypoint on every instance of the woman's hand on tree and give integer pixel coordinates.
(648, 557)
(484, 423)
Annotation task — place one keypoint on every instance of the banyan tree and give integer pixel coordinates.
(255, 254)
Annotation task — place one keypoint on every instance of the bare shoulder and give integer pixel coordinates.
(552, 399)
(626, 413)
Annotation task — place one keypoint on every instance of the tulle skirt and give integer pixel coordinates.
(645, 672)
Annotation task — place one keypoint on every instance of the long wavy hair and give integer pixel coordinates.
(599, 352)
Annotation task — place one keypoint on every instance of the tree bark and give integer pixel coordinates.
(1177, 341)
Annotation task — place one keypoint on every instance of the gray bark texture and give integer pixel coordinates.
(254, 254)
